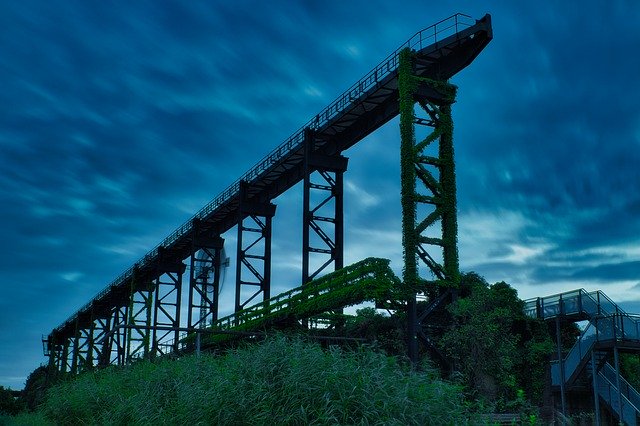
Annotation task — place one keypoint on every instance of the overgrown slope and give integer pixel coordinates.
(280, 381)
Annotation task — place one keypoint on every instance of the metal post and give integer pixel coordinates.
(596, 398)
(407, 196)
(91, 347)
(75, 354)
(65, 356)
(448, 203)
(616, 361)
(561, 364)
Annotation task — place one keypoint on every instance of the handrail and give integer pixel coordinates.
(625, 387)
(441, 29)
(368, 279)
(613, 327)
(572, 302)
(629, 410)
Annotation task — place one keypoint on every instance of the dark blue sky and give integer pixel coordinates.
(119, 120)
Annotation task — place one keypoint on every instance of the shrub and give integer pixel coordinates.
(280, 381)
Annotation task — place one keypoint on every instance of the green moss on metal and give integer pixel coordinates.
(367, 280)
(407, 85)
(411, 154)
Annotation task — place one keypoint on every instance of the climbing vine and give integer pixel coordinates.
(367, 280)
(412, 159)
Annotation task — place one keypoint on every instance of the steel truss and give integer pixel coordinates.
(168, 299)
(66, 356)
(115, 351)
(323, 210)
(140, 310)
(56, 353)
(253, 265)
(99, 345)
(81, 357)
(204, 280)
(428, 192)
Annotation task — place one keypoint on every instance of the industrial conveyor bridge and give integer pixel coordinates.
(142, 307)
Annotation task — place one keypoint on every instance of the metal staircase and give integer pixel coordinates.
(609, 330)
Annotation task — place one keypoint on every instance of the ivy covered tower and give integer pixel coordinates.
(428, 193)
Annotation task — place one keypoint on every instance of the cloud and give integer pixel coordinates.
(118, 122)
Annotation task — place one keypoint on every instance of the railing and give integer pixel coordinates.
(615, 327)
(366, 280)
(609, 392)
(428, 36)
(627, 390)
(572, 303)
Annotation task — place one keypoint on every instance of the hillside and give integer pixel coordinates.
(279, 381)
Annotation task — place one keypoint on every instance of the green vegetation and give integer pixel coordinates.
(280, 381)
(8, 403)
(442, 191)
(368, 280)
(498, 356)
(500, 353)
(630, 369)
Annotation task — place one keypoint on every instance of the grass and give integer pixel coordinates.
(280, 381)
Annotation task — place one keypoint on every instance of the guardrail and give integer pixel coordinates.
(570, 303)
(610, 328)
(369, 279)
(628, 413)
(426, 37)
(609, 373)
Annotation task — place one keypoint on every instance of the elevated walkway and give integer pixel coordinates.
(609, 330)
(368, 280)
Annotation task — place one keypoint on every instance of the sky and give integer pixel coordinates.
(119, 120)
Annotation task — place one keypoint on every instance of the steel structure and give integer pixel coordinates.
(592, 365)
(139, 311)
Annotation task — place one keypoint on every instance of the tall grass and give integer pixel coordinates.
(280, 381)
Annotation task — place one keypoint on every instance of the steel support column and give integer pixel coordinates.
(140, 311)
(65, 362)
(323, 210)
(563, 401)
(168, 300)
(98, 343)
(594, 384)
(116, 353)
(54, 351)
(428, 190)
(204, 279)
(81, 349)
(253, 265)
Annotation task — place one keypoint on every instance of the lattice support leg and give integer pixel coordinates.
(139, 319)
(428, 191)
(323, 210)
(168, 300)
(204, 279)
(253, 266)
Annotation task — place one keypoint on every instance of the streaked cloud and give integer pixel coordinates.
(119, 121)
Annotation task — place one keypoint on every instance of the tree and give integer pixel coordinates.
(494, 346)
(9, 404)
(36, 387)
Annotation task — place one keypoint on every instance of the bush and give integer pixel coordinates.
(497, 349)
(8, 404)
(280, 381)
